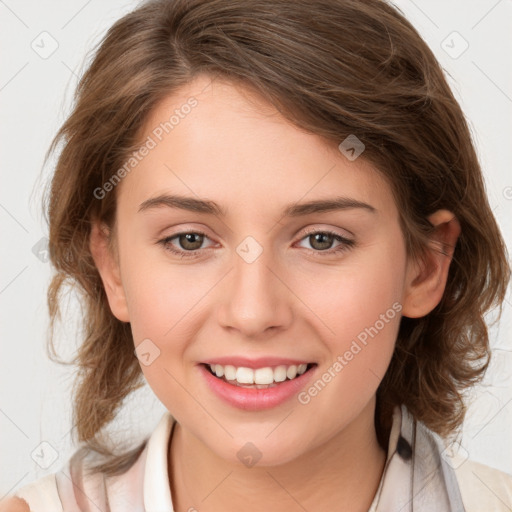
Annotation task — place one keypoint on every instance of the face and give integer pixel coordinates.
(262, 283)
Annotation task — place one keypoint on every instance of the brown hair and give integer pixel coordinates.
(334, 68)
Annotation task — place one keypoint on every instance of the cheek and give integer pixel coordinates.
(166, 304)
(159, 294)
(363, 319)
(160, 303)
(358, 306)
(364, 290)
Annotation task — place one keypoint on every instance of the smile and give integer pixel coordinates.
(259, 378)
(255, 389)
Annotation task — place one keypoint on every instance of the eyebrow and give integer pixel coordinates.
(293, 210)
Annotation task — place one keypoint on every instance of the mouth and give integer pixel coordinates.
(256, 384)
(258, 378)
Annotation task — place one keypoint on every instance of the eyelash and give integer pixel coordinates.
(345, 245)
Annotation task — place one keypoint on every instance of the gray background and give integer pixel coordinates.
(44, 45)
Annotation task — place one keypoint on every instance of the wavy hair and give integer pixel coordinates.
(333, 68)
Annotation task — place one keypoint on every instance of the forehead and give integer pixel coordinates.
(215, 139)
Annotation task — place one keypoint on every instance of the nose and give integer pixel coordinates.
(256, 299)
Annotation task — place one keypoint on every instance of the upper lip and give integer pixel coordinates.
(260, 362)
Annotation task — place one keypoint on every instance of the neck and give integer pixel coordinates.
(342, 474)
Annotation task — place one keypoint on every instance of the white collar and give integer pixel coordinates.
(157, 493)
(414, 477)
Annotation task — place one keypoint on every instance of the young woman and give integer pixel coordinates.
(277, 205)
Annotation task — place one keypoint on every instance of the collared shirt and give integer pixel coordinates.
(418, 477)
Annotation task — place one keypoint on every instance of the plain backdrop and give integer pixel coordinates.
(44, 44)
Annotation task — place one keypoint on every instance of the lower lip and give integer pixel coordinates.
(253, 399)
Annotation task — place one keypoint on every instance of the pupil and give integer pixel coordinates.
(318, 238)
(188, 238)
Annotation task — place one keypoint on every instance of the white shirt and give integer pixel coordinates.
(418, 476)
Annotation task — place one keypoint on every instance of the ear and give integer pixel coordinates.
(108, 267)
(426, 279)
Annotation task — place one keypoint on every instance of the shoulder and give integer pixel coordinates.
(118, 484)
(55, 492)
(482, 487)
(14, 504)
(39, 495)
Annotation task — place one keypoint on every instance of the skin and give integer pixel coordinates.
(294, 300)
(13, 504)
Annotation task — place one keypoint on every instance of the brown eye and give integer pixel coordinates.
(187, 244)
(321, 241)
(190, 241)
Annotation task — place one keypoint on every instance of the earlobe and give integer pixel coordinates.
(108, 268)
(426, 279)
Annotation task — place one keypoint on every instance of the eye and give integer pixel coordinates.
(322, 240)
(190, 241)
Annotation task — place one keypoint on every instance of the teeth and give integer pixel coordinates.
(245, 376)
(263, 376)
(301, 368)
(229, 372)
(280, 373)
(291, 373)
(259, 377)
